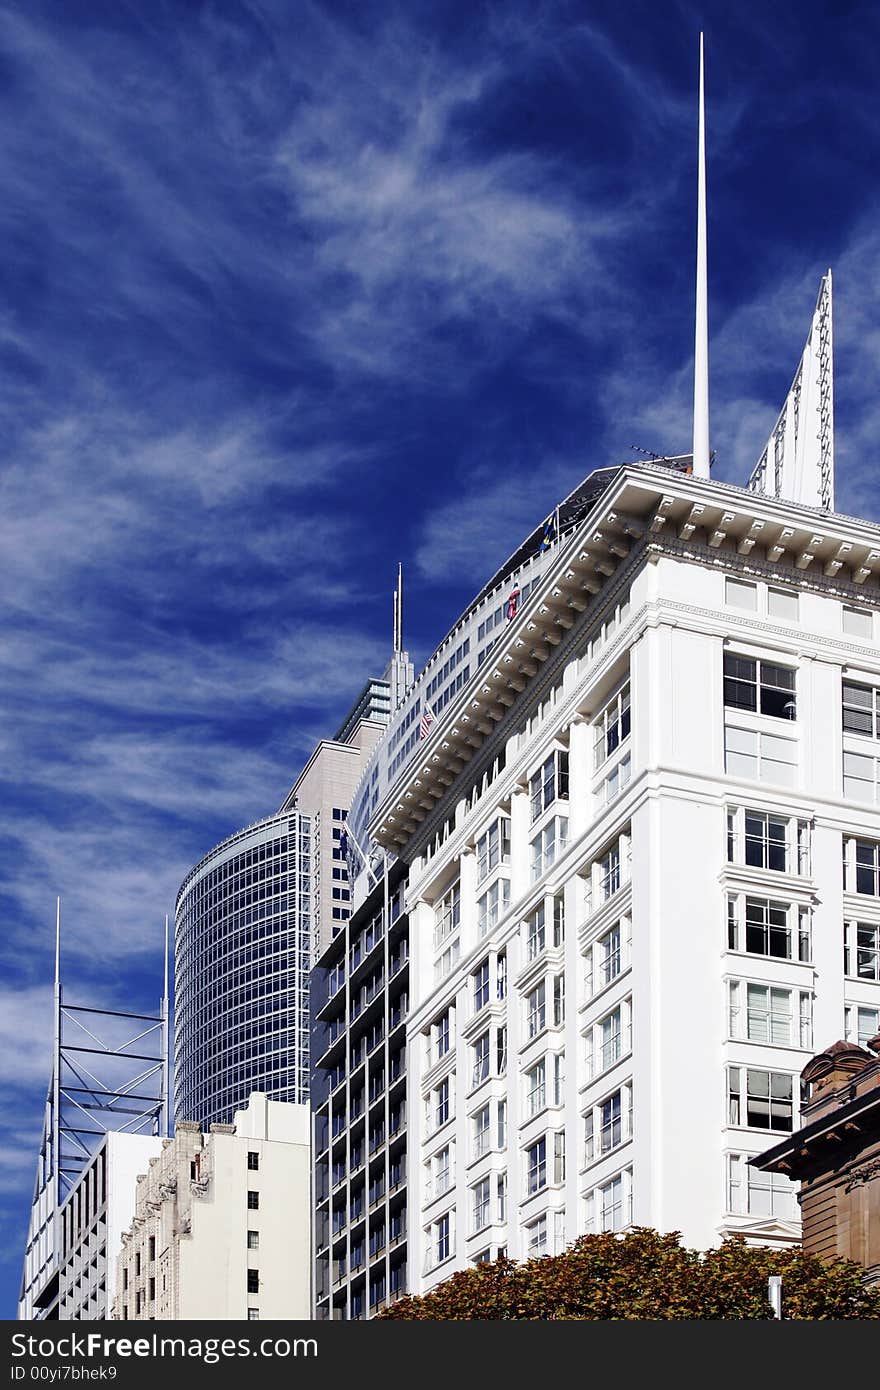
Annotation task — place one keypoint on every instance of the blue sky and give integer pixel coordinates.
(291, 292)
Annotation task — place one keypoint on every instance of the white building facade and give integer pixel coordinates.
(91, 1223)
(644, 884)
(221, 1222)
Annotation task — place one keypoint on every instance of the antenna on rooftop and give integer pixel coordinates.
(701, 327)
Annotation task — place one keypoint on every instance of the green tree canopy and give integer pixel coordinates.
(647, 1275)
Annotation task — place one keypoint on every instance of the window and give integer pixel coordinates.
(442, 1238)
(137, 1263)
(501, 1051)
(253, 1240)
(480, 1051)
(547, 846)
(766, 838)
(611, 1039)
(609, 873)
(617, 779)
(501, 1195)
(760, 1099)
(608, 952)
(762, 757)
(862, 950)
(862, 1023)
(536, 1010)
(609, 1207)
(151, 1249)
(502, 1124)
(763, 927)
(480, 1196)
(536, 1166)
(772, 1014)
(867, 867)
(253, 1281)
(501, 975)
(536, 1238)
(858, 622)
(482, 1131)
(861, 777)
(492, 905)
(441, 1103)
(739, 594)
(861, 710)
(759, 686)
(784, 604)
(754, 1193)
(440, 1035)
(536, 1089)
(253, 1160)
(612, 727)
(558, 1064)
(439, 1173)
(151, 1290)
(608, 1124)
(480, 981)
(493, 848)
(535, 933)
(253, 1315)
(447, 914)
(558, 1000)
(446, 960)
(549, 783)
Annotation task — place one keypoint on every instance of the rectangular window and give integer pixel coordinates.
(755, 1193)
(862, 1023)
(536, 1010)
(610, 1036)
(536, 1238)
(758, 756)
(766, 838)
(609, 873)
(482, 1130)
(480, 983)
(447, 915)
(441, 1103)
(760, 1099)
(440, 1030)
(536, 1089)
(536, 1166)
(772, 1014)
(492, 905)
(481, 1198)
(861, 777)
(253, 1281)
(610, 1123)
(536, 938)
(739, 594)
(861, 710)
(558, 1000)
(253, 1201)
(612, 727)
(549, 783)
(759, 686)
(611, 1205)
(151, 1248)
(493, 848)
(783, 604)
(501, 1195)
(253, 1240)
(480, 1057)
(862, 950)
(253, 1315)
(763, 927)
(441, 1239)
(253, 1160)
(547, 846)
(858, 622)
(867, 867)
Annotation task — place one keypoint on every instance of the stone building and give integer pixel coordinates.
(221, 1224)
(835, 1155)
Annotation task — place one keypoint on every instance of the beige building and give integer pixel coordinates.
(221, 1223)
(324, 791)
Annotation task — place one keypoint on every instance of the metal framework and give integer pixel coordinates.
(110, 1074)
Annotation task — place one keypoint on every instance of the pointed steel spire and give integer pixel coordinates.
(398, 611)
(701, 335)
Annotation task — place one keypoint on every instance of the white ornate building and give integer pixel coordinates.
(644, 878)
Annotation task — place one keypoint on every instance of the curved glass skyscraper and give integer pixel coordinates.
(243, 939)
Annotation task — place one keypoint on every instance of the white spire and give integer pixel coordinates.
(398, 610)
(701, 336)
